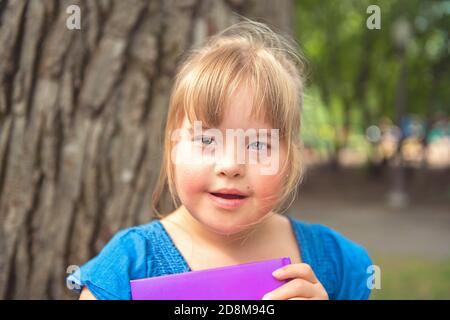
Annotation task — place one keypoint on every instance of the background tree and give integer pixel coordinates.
(81, 117)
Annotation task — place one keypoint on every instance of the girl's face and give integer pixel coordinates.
(219, 189)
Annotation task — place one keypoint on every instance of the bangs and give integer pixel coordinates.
(215, 76)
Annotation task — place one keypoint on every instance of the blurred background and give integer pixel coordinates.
(377, 136)
(82, 113)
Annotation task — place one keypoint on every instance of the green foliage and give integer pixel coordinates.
(355, 71)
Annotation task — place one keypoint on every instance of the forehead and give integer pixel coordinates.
(237, 112)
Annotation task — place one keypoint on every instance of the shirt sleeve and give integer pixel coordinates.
(351, 263)
(108, 274)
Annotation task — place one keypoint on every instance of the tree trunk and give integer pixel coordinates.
(398, 197)
(81, 122)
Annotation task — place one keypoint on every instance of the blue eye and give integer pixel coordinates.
(205, 140)
(258, 145)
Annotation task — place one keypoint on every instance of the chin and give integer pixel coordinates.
(229, 228)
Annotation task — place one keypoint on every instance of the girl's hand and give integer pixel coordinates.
(303, 286)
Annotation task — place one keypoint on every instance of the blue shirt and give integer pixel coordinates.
(148, 251)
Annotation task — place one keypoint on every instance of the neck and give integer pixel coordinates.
(225, 242)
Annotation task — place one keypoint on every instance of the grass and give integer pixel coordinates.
(412, 278)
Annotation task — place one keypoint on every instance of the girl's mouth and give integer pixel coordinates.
(228, 196)
(227, 201)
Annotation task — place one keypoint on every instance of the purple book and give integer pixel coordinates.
(248, 281)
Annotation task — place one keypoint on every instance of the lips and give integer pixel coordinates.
(229, 192)
(228, 198)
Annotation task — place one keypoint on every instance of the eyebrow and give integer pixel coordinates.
(269, 131)
(191, 129)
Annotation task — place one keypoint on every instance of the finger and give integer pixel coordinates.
(297, 270)
(299, 298)
(294, 288)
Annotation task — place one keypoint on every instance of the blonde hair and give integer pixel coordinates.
(247, 52)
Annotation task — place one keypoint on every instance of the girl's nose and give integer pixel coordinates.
(229, 166)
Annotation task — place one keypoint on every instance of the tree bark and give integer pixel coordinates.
(81, 121)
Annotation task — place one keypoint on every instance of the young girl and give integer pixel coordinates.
(245, 82)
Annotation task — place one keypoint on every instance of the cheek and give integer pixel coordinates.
(266, 187)
(191, 175)
(191, 179)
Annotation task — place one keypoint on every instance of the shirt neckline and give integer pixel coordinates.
(301, 245)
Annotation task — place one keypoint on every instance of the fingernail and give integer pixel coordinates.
(276, 273)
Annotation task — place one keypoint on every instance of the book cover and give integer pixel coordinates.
(248, 281)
